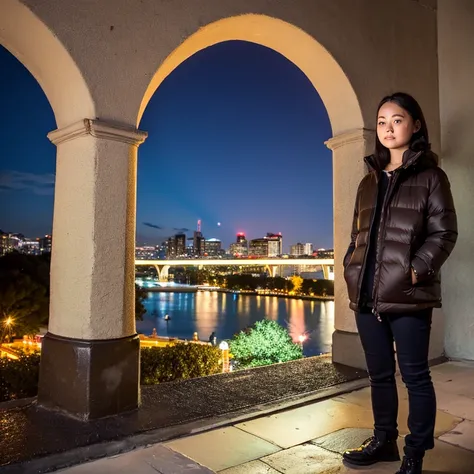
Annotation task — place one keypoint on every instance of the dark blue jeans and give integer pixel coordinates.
(411, 333)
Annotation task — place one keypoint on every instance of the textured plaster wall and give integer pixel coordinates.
(456, 72)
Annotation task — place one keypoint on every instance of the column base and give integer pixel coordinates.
(90, 379)
(347, 349)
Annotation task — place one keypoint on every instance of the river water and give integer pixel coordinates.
(226, 314)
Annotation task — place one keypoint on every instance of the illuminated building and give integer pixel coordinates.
(199, 244)
(258, 248)
(30, 247)
(275, 244)
(45, 244)
(297, 250)
(301, 249)
(324, 253)
(10, 242)
(213, 247)
(180, 245)
(240, 248)
(146, 252)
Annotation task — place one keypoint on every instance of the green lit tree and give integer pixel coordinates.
(264, 343)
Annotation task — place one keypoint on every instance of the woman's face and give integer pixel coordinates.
(395, 126)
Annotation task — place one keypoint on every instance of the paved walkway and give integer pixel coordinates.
(310, 439)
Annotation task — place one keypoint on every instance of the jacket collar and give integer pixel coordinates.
(410, 157)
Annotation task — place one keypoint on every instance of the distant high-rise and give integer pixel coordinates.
(180, 245)
(241, 247)
(170, 248)
(258, 248)
(275, 244)
(176, 246)
(45, 244)
(301, 249)
(10, 242)
(213, 247)
(297, 250)
(199, 244)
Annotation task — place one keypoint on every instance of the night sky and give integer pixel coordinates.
(236, 137)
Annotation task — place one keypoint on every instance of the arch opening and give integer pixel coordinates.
(297, 46)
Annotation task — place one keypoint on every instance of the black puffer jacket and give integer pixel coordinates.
(418, 228)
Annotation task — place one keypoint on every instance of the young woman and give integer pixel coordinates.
(404, 229)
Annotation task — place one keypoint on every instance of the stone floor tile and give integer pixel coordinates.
(462, 435)
(303, 424)
(168, 461)
(305, 459)
(142, 461)
(360, 398)
(223, 448)
(448, 459)
(253, 467)
(344, 439)
(456, 405)
(454, 377)
(460, 386)
(453, 368)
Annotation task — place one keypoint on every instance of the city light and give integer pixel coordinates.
(9, 321)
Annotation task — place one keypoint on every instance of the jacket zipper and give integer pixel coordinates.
(378, 250)
(364, 264)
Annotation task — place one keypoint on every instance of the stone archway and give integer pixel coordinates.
(350, 141)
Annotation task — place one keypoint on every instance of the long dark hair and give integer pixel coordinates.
(420, 139)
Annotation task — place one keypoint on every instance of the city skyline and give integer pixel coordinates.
(238, 129)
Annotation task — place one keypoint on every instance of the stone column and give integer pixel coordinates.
(90, 356)
(348, 151)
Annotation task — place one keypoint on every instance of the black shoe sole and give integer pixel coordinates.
(371, 462)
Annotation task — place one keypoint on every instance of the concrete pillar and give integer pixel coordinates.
(456, 69)
(325, 269)
(348, 151)
(90, 356)
(164, 274)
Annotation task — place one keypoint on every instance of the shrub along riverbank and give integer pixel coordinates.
(264, 343)
(19, 378)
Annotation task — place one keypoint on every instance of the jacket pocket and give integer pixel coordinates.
(351, 276)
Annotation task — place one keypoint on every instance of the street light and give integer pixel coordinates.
(224, 347)
(302, 338)
(7, 323)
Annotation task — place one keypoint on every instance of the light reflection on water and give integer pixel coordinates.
(227, 314)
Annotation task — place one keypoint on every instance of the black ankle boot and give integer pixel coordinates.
(373, 450)
(411, 466)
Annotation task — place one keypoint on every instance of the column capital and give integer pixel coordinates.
(353, 136)
(98, 129)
